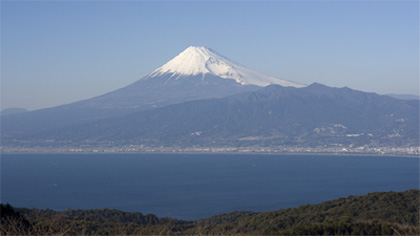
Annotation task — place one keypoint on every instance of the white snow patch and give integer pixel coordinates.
(201, 60)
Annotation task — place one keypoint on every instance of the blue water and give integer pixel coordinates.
(194, 186)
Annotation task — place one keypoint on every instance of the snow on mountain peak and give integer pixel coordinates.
(201, 60)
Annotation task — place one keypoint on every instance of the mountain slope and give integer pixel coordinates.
(311, 116)
(196, 73)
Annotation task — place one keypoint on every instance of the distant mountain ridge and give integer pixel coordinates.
(12, 110)
(312, 116)
(404, 96)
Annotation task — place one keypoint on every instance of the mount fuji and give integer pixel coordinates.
(203, 100)
(196, 73)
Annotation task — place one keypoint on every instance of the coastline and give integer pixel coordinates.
(55, 152)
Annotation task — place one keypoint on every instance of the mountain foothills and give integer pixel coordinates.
(196, 73)
(380, 213)
(312, 116)
(201, 100)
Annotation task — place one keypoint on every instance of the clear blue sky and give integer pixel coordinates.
(54, 53)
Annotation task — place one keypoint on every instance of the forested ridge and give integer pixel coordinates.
(379, 213)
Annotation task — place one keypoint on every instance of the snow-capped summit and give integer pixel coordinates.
(201, 60)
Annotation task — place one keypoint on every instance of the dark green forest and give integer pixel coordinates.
(379, 213)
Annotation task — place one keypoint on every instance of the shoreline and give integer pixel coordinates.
(219, 153)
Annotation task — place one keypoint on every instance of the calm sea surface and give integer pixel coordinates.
(193, 186)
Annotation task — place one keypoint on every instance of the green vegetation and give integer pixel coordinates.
(390, 213)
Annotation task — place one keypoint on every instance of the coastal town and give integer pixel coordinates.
(340, 150)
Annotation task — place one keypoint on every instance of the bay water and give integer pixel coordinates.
(192, 186)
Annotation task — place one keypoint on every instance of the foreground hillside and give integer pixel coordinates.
(390, 213)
